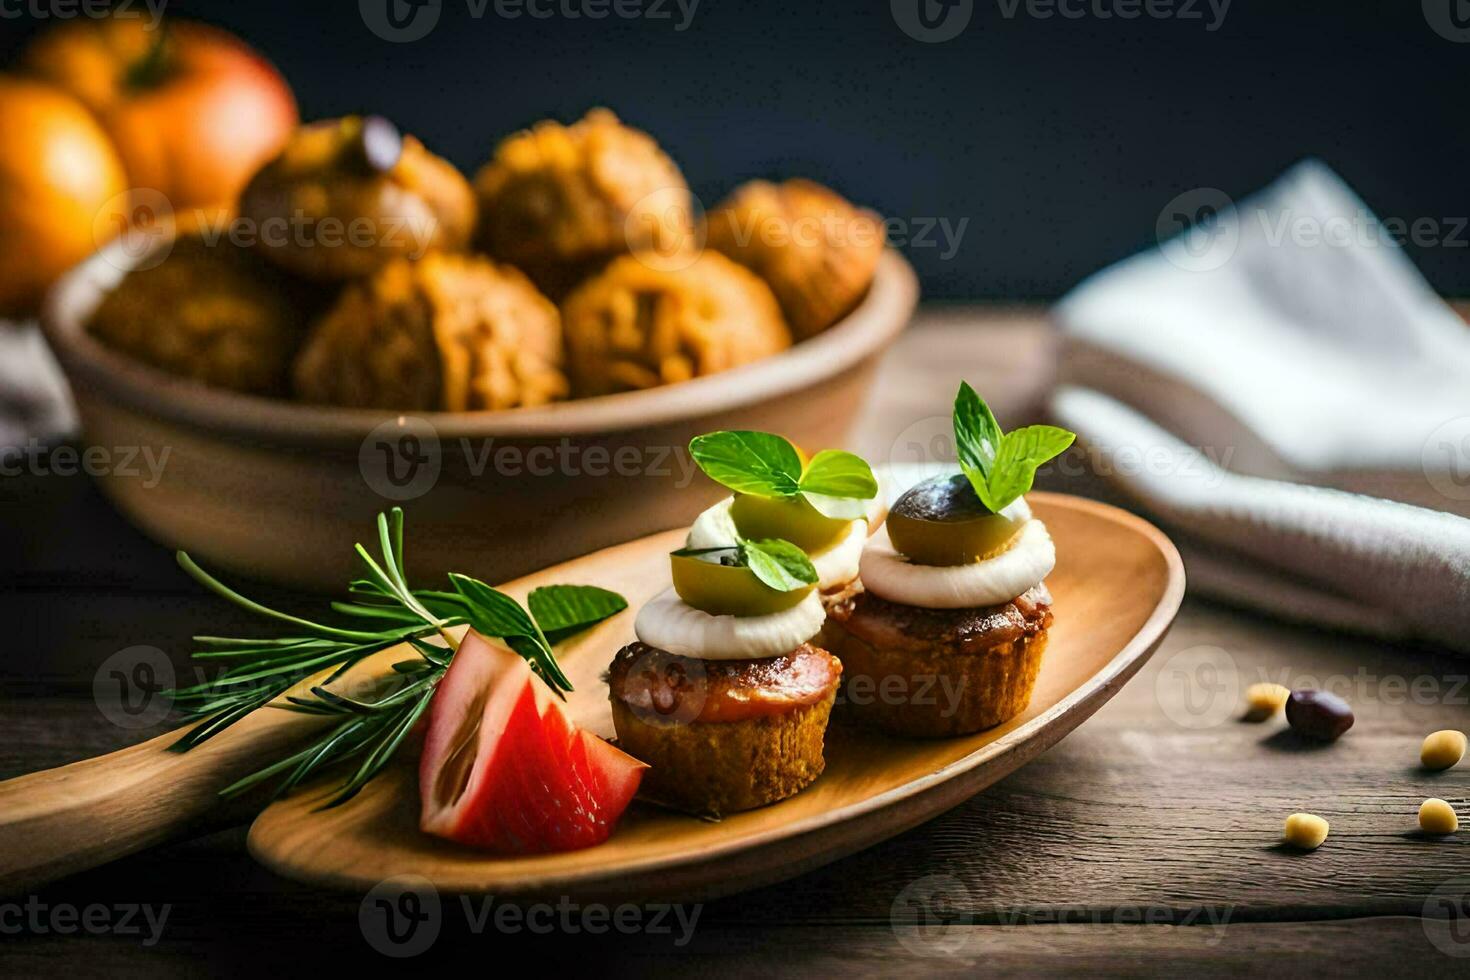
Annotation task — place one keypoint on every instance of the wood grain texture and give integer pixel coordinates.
(1131, 812)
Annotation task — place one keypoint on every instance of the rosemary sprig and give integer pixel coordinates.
(259, 671)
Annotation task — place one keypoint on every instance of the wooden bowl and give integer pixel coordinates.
(281, 491)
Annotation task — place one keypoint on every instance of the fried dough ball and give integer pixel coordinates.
(559, 201)
(212, 312)
(639, 324)
(347, 195)
(817, 251)
(448, 332)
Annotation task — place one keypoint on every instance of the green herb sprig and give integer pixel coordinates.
(778, 564)
(259, 671)
(1001, 466)
(835, 482)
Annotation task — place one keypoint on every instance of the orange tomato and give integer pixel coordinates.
(193, 111)
(60, 179)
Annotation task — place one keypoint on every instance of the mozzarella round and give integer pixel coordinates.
(669, 623)
(889, 575)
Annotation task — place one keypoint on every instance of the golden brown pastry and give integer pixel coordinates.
(448, 332)
(560, 201)
(347, 195)
(817, 251)
(213, 312)
(638, 324)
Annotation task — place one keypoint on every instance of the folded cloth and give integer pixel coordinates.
(35, 403)
(1235, 381)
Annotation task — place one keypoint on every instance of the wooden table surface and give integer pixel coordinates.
(1146, 841)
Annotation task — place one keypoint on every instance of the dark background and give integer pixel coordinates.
(1059, 139)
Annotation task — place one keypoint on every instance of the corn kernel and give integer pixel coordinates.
(1264, 700)
(1305, 830)
(1442, 749)
(1438, 817)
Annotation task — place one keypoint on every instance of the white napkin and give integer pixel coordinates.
(35, 403)
(1223, 380)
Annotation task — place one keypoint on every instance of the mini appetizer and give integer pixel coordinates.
(823, 505)
(945, 632)
(817, 251)
(639, 325)
(560, 201)
(723, 695)
(446, 333)
(347, 195)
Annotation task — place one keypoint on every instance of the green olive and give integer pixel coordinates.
(790, 518)
(942, 522)
(727, 590)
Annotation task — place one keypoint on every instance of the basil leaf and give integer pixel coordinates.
(977, 439)
(1021, 452)
(837, 508)
(834, 473)
(749, 462)
(779, 564)
(491, 612)
(561, 610)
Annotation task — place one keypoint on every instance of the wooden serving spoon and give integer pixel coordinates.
(1117, 586)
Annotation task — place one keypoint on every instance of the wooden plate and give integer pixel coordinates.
(1117, 586)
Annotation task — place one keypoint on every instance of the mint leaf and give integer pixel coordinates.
(749, 462)
(779, 564)
(1000, 466)
(561, 610)
(834, 473)
(1022, 451)
(492, 612)
(977, 437)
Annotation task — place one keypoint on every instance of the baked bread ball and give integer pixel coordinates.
(639, 323)
(348, 195)
(559, 201)
(817, 251)
(446, 333)
(216, 313)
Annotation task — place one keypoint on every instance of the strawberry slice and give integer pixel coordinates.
(504, 768)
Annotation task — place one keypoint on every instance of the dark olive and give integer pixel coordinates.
(1318, 714)
(942, 522)
(941, 498)
(381, 144)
